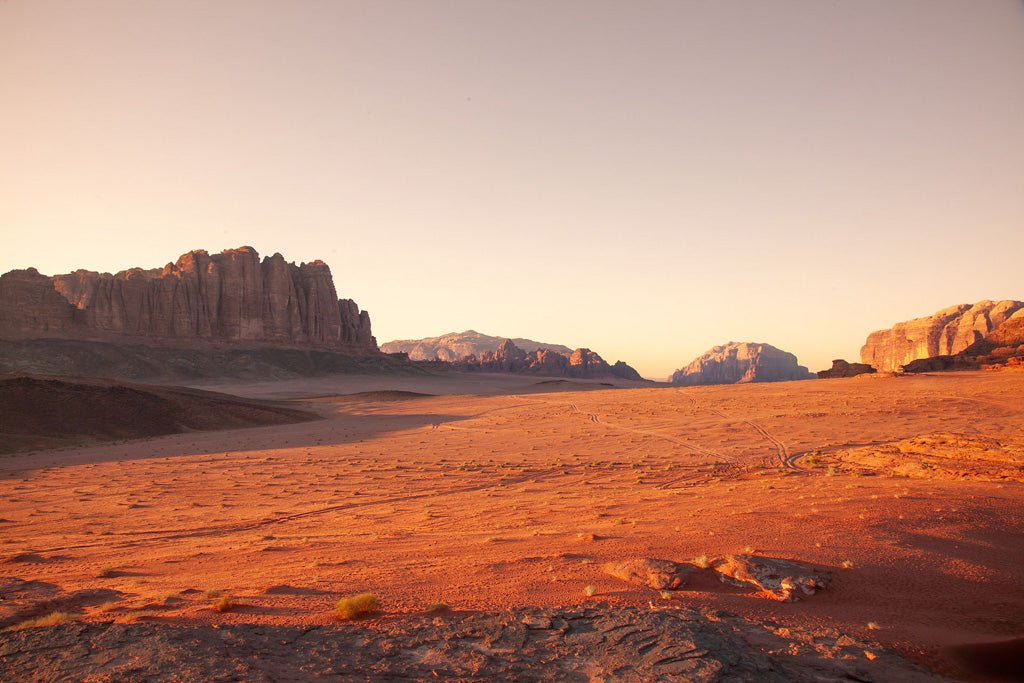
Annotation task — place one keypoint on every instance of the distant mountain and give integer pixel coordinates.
(457, 345)
(580, 364)
(739, 363)
(945, 333)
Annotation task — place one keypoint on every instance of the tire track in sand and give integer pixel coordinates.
(786, 460)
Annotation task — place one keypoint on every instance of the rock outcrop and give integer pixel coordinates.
(779, 579)
(840, 368)
(508, 357)
(656, 574)
(739, 363)
(946, 333)
(231, 297)
(457, 345)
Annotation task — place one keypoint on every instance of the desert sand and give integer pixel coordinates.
(495, 493)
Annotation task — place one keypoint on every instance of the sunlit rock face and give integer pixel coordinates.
(945, 333)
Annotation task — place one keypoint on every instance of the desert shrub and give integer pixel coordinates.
(54, 619)
(356, 606)
(224, 604)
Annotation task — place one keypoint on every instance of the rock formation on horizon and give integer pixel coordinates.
(739, 363)
(579, 364)
(841, 368)
(945, 333)
(455, 346)
(231, 297)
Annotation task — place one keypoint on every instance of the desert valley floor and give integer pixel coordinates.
(491, 494)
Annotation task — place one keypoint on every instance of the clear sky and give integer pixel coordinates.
(647, 179)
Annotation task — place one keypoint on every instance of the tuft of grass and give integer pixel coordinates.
(847, 564)
(224, 604)
(54, 619)
(356, 606)
(873, 626)
(590, 591)
(438, 607)
(702, 561)
(134, 617)
(212, 593)
(749, 550)
(666, 595)
(106, 573)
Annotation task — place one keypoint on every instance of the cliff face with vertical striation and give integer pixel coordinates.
(946, 333)
(229, 297)
(1003, 346)
(739, 363)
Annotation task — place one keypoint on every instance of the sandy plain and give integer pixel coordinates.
(495, 493)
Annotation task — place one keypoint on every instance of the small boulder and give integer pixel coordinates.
(781, 579)
(656, 574)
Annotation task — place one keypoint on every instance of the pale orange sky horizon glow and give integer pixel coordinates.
(647, 179)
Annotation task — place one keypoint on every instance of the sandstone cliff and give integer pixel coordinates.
(202, 298)
(946, 333)
(1003, 345)
(457, 345)
(580, 364)
(739, 363)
